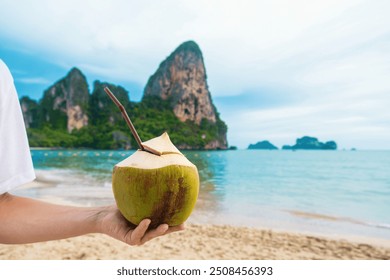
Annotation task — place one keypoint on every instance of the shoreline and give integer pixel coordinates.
(203, 242)
(43, 182)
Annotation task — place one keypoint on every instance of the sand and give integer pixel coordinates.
(204, 242)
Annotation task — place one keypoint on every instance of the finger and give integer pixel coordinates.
(160, 230)
(175, 228)
(139, 232)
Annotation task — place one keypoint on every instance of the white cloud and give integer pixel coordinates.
(36, 80)
(132, 37)
(333, 56)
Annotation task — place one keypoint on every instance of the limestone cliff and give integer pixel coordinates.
(30, 110)
(65, 104)
(176, 100)
(181, 79)
(102, 108)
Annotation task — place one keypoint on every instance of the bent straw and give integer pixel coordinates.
(126, 117)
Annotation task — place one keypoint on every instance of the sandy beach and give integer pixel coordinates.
(201, 241)
(204, 242)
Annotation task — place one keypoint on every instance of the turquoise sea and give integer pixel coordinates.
(325, 192)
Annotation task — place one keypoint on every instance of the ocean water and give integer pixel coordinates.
(324, 192)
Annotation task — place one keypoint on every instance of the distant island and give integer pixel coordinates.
(311, 143)
(176, 99)
(262, 145)
(304, 143)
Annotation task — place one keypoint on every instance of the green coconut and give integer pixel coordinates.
(158, 183)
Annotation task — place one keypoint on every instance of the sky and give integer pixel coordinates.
(277, 70)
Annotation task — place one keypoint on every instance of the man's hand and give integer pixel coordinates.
(26, 220)
(111, 222)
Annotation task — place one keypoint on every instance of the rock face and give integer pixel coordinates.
(181, 78)
(262, 145)
(30, 112)
(65, 104)
(105, 113)
(311, 143)
(102, 108)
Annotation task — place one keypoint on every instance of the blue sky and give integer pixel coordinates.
(277, 70)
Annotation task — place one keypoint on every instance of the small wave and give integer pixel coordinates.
(52, 174)
(336, 219)
(67, 177)
(70, 187)
(385, 226)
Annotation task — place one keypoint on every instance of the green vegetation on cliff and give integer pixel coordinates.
(107, 129)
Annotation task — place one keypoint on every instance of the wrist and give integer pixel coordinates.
(96, 219)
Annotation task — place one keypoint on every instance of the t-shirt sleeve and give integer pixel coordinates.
(16, 167)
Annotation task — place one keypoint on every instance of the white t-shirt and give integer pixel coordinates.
(16, 166)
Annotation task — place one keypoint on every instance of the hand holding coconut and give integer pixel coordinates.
(112, 223)
(46, 221)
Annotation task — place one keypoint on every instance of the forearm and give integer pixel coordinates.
(24, 220)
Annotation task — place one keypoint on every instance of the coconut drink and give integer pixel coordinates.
(156, 182)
